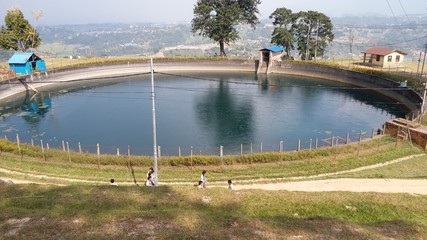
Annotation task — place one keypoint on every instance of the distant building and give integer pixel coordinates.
(268, 56)
(383, 57)
(26, 63)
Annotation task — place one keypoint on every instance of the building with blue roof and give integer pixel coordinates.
(25, 63)
(269, 56)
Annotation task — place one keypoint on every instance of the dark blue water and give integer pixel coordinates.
(203, 110)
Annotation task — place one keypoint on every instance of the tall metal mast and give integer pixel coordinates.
(156, 173)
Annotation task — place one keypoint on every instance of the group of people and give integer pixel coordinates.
(203, 180)
(150, 180)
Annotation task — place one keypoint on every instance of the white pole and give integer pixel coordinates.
(424, 98)
(156, 178)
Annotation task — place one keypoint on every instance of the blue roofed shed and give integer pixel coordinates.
(268, 56)
(26, 63)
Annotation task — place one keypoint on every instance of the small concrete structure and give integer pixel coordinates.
(268, 56)
(408, 131)
(25, 63)
(384, 57)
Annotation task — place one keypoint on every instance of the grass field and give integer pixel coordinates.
(95, 210)
(241, 168)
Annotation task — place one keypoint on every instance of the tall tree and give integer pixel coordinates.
(282, 34)
(216, 19)
(310, 31)
(18, 34)
(313, 32)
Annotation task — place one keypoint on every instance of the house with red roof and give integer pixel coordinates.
(383, 57)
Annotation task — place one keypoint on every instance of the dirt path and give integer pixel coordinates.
(411, 186)
(417, 186)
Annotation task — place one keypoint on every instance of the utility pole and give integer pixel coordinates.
(317, 38)
(424, 61)
(156, 175)
(419, 61)
(308, 40)
(351, 41)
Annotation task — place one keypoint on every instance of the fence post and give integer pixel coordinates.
(159, 151)
(241, 149)
(299, 145)
(191, 157)
(80, 148)
(128, 158)
(179, 151)
(347, 138)
(261, 147)
(32, 142)
(118, 151)
(63, 145)
(18, 142)
(47, 146)
(372, 135)
(281, 150)
(332, 141)
(69, 155)
(360, 136)
(251, 153)
(41, 144)
(317, 141)
(221, 152)
(98, 153)
(311, 143)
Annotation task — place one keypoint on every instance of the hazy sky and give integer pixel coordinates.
(57, 12)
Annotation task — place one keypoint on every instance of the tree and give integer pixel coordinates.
(310, 31)
(18, 34)
(313, 32)
(282, 34)
(216, 19)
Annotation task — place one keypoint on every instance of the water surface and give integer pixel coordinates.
(203, 110)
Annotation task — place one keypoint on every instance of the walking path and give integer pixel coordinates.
(411, 186)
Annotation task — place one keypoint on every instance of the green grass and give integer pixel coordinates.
(178, 212)
(415, 168)
(100, 211)
(241, 168)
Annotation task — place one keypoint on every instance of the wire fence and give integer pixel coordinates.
(180, 151)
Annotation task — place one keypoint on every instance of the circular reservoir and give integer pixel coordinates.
(200, 111)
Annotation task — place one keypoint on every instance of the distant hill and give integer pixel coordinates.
(352, 35)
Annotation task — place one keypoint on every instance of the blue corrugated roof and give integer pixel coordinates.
(21, 57)
(274, 49)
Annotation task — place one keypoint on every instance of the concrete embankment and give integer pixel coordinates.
(14, 86)
(408, 97)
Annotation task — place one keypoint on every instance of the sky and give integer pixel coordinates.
(59, 12)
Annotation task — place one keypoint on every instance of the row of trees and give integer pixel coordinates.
(310, 32)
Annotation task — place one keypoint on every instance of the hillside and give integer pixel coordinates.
(407, 33)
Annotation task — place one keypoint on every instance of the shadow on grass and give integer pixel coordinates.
(166, 212)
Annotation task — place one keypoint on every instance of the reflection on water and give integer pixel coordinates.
(202, 110)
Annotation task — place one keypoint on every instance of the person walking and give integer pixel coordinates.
(230, 184)
(203, 179)
(150, 174)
